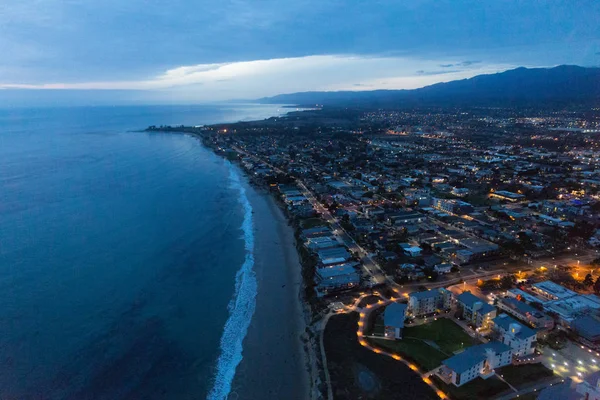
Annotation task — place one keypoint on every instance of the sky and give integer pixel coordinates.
(195, 51)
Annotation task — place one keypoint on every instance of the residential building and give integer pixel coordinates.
(474, 362)
(452, 206)
(409, 250)
(475, 310)
(460, 192)
(393, 319)
(521, 338)
(337, 277)
(333, 255)
(427, 302)
(443, 268)
(506, 195)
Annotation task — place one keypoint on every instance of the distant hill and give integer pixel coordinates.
(521, 86)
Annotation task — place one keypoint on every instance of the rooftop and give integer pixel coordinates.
(469, 300)
(473, 356)
(554, 289)
(587, 326)
(505, 321)
(424, 295)
(394, 315)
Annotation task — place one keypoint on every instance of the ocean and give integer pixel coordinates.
(126, 258)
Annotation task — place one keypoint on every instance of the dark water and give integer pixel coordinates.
(118, 253)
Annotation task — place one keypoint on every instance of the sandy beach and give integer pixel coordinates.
(274, 364)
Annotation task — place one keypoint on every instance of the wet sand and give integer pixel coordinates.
(273, 365)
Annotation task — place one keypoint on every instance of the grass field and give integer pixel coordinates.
(444, 332)
(425, 356)
(447, 335)
(524, 375)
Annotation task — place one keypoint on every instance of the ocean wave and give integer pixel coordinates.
(242, 304)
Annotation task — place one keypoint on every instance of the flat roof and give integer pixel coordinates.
(588, 327)
(508, 194)
(554, 289)
(520, 306)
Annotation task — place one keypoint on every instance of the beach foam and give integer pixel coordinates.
(242, 305)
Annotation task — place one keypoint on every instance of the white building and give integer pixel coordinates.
(552, 291)
(424, 303)
(474, 362)
(475, 310)
(519, 337)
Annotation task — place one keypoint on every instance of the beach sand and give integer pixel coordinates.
(273, 365)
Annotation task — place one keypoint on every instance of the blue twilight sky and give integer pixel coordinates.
(202, 50)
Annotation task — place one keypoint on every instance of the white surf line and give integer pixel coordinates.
(242, 305)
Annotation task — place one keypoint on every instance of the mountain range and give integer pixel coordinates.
(565, 84)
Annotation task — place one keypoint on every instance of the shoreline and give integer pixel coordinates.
(275, 363)
(308, 359)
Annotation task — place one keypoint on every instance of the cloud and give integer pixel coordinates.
(256, 78)
(460, 64)
(439, 72)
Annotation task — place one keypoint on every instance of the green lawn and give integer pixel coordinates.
(523, 375)
(425, 356)
(444, 332)
(477, 389)
(447, 335)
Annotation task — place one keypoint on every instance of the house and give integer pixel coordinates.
(409, 250)
(423, 303)
(393, 319)
(476, 361)
(475, 310)
(521, 338)
(333, 255)
(443, 268)
(337, 277)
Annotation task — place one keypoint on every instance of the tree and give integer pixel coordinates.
(583, 230)
(597, 286)
(588, 281)
(507, 282)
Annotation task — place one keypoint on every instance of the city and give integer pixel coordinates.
(461, 243)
